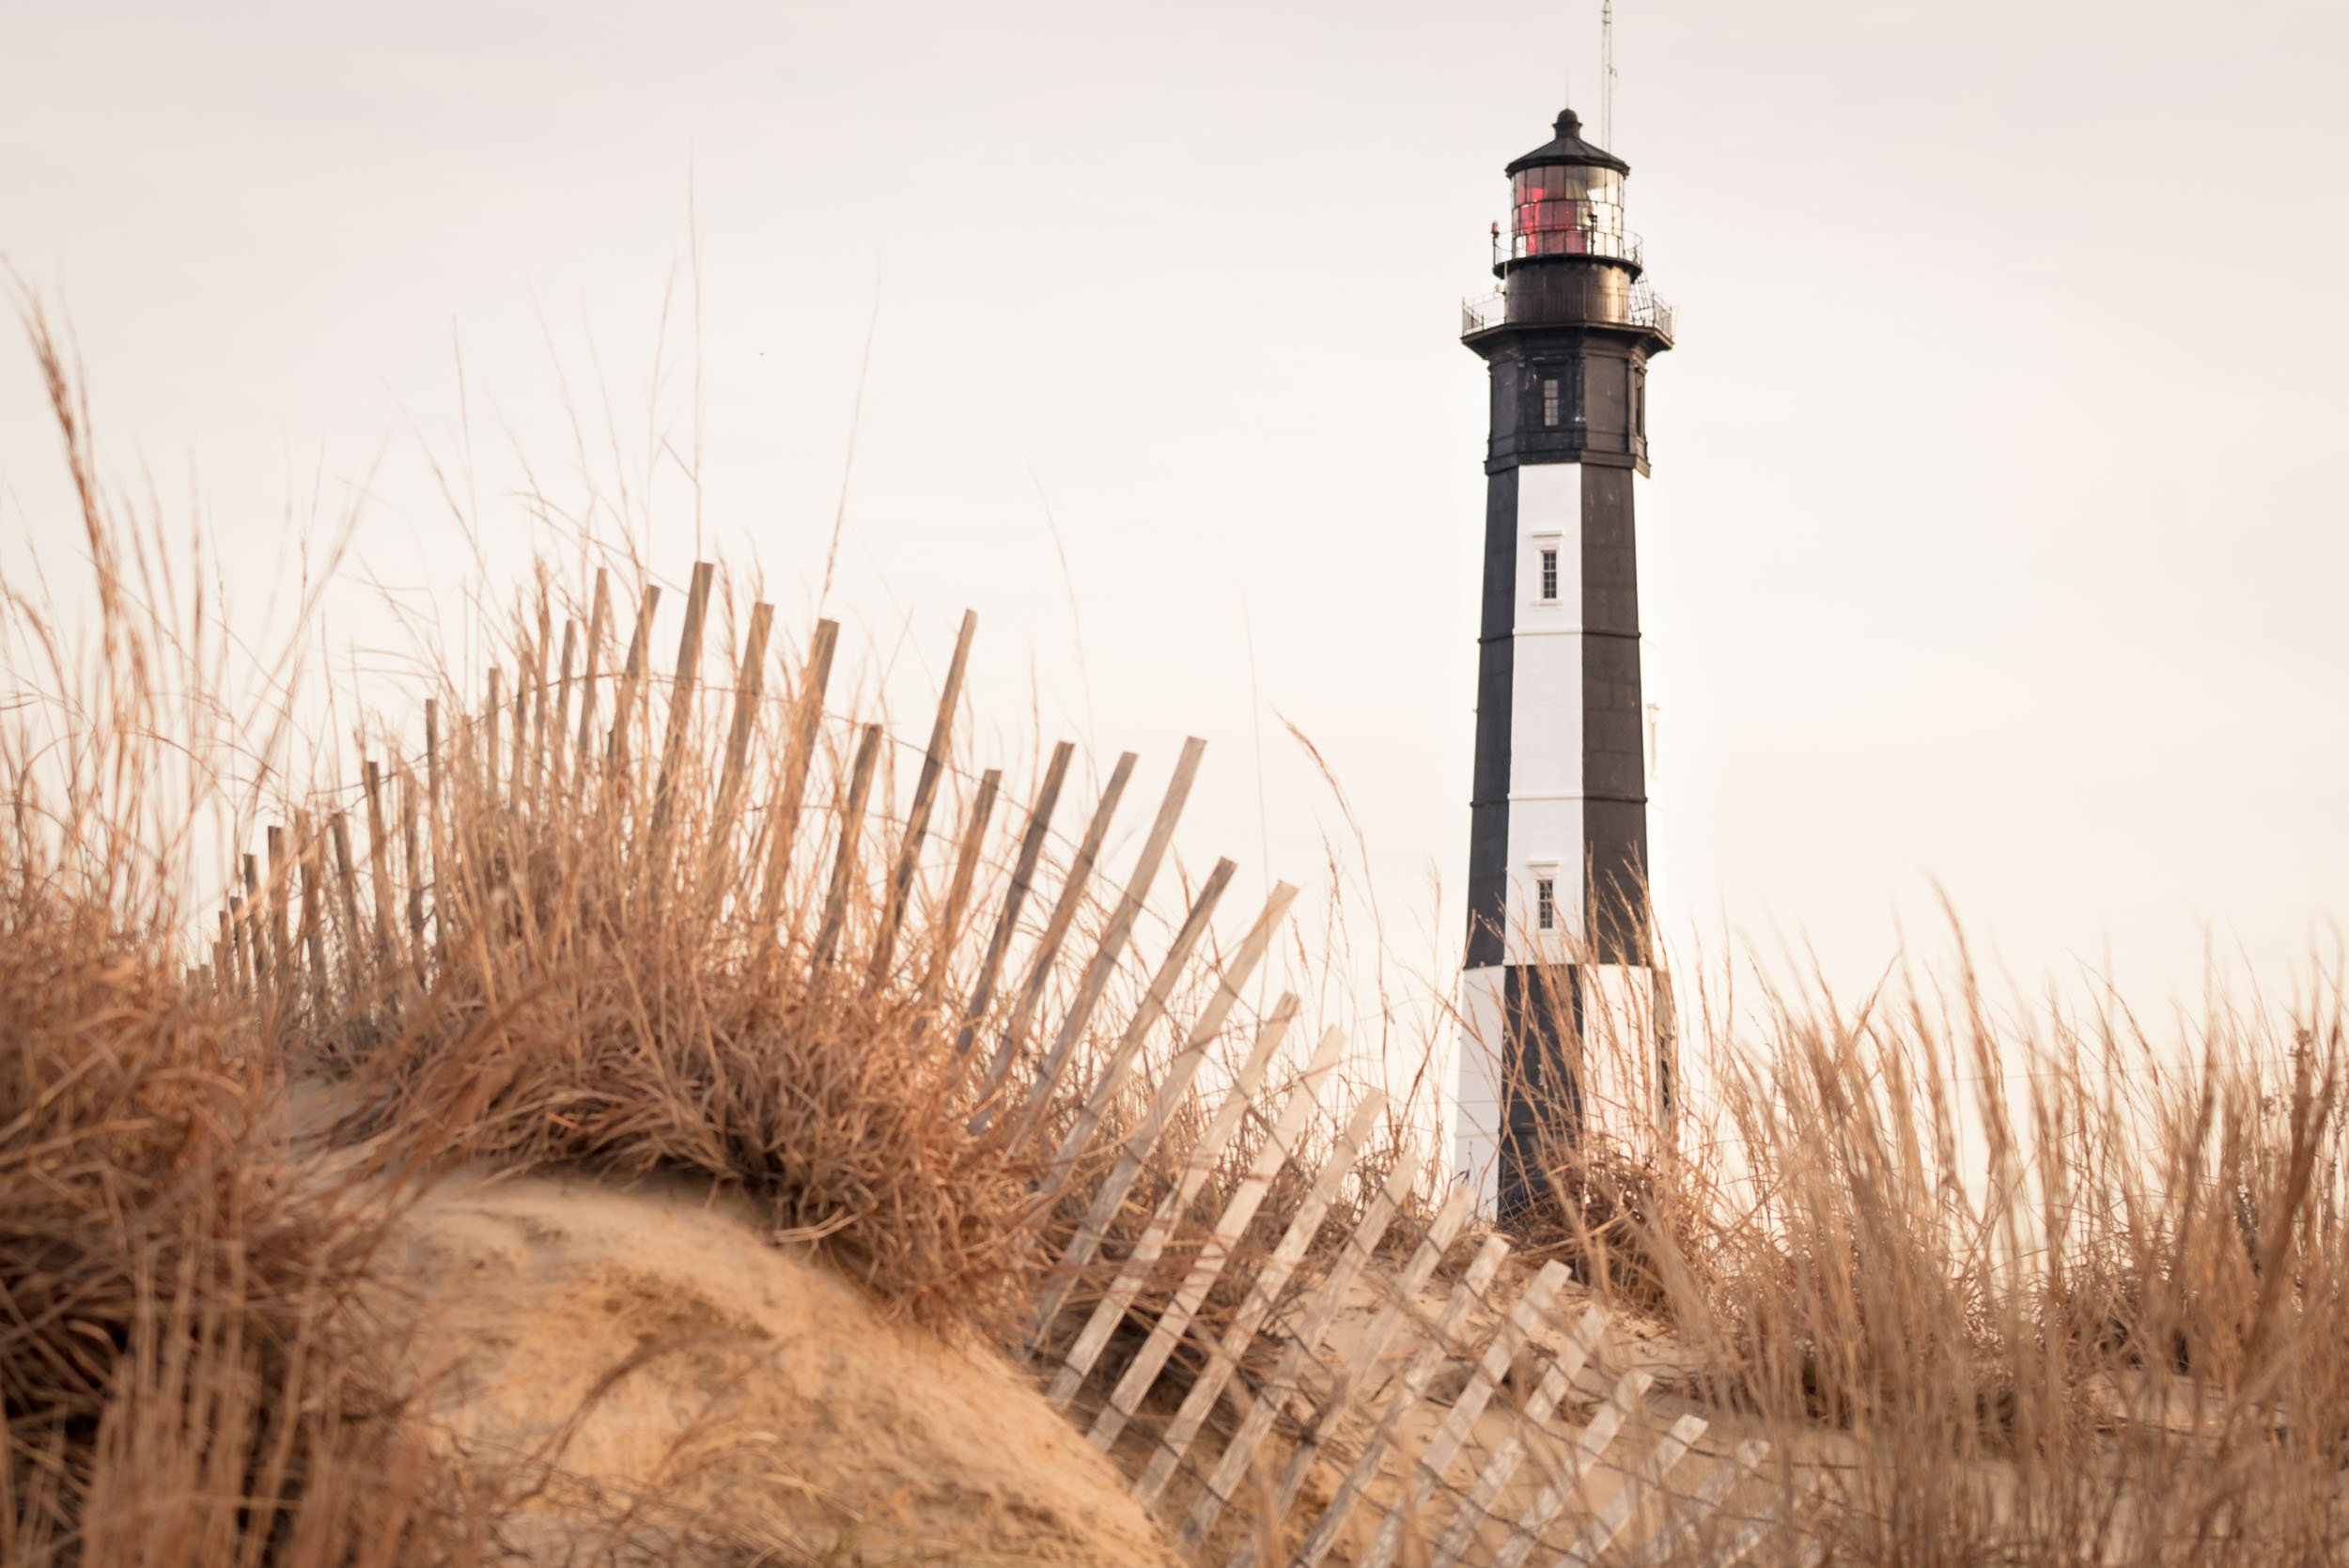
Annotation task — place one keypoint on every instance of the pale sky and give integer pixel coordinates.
(1997, 501)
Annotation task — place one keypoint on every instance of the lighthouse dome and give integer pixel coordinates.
(1567, 149)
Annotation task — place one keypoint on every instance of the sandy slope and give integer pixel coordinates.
(653, 1341)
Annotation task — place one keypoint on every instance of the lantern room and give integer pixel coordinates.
(1568, 258)
(1566, 199)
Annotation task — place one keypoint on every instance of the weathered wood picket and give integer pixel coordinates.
(1282, 1435)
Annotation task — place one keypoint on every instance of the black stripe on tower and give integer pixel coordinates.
(1495, 681)
(1614, 765)
(1541, 1080)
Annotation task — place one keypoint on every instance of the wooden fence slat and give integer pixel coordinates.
(1112, 946)
(1557, 1379)
(1805, 1555)
(311, 931)
(1398, 1310)
(750, 685)
(1205, 1155)
(900, 887)
(1015, 895)
(558, 741)
(380, 869)
(234, 919)
(631, 677)
(851, 829)
(1112, 1070)
(682, 684)
(1636, 1489)
(1696, 1506)
(1215, 1252)
(489, 730)
(280, 938)
(949, 928)
(256, 928)
(783, 812)
(435, 821)
(1224, 1355)
(1608, 1420)
(1304, 1340)
(526, 687)
(1056, 927)
(1435, 1460)
(1111, 1194)
(1402, 1398)
(1262, 1294)
(412, 845)
(597, 619)
(540, 694)
(338, 827)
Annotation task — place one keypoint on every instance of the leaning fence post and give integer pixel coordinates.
(1406, 1394)
(1007, 923)
(232, 921)
(436, 826)
(958, 891)
(556, 741)
(1567, 1477)
(538, 694)
(1112, 946)
(1205, 1155)
(1501, 1353)
(1306, 1338)
(851, 827)
(412, 844)
(339, 827)
(1056, 928)
(489, 730)
(749, 686)
(379, 867)
(783, 812)
(264, 967)
(624, 701)
(1144, 1140)
(925, 792)
(313, 936)
(1223, 1354)
(1215, 1253)
(281, 944)
(689, 659)
(595, 619)
(1556, 1379)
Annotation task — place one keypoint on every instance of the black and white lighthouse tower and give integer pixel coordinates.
(1559, 932)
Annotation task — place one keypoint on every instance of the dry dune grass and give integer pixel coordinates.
(2078, 1295)
(188, 1370)
(672, 947)
(1994, 1297)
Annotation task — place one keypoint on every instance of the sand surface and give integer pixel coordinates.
(627, 1345)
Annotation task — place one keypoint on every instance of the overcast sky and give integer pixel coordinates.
(1998, 499)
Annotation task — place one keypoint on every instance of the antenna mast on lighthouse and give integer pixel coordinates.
(1607, 72)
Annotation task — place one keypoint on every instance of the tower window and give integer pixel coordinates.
(1550, 576)
(1549, 403)
(1546, 904)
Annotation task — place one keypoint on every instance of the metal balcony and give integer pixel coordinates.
(1642, 308)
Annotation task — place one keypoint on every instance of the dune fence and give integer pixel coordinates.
(1231, 1265)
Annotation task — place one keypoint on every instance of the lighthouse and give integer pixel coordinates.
(1560, 959)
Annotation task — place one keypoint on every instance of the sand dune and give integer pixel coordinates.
(651, 1341)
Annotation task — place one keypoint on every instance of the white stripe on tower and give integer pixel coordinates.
(1546, 785)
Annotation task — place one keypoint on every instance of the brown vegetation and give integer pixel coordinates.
(1993, 1298)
